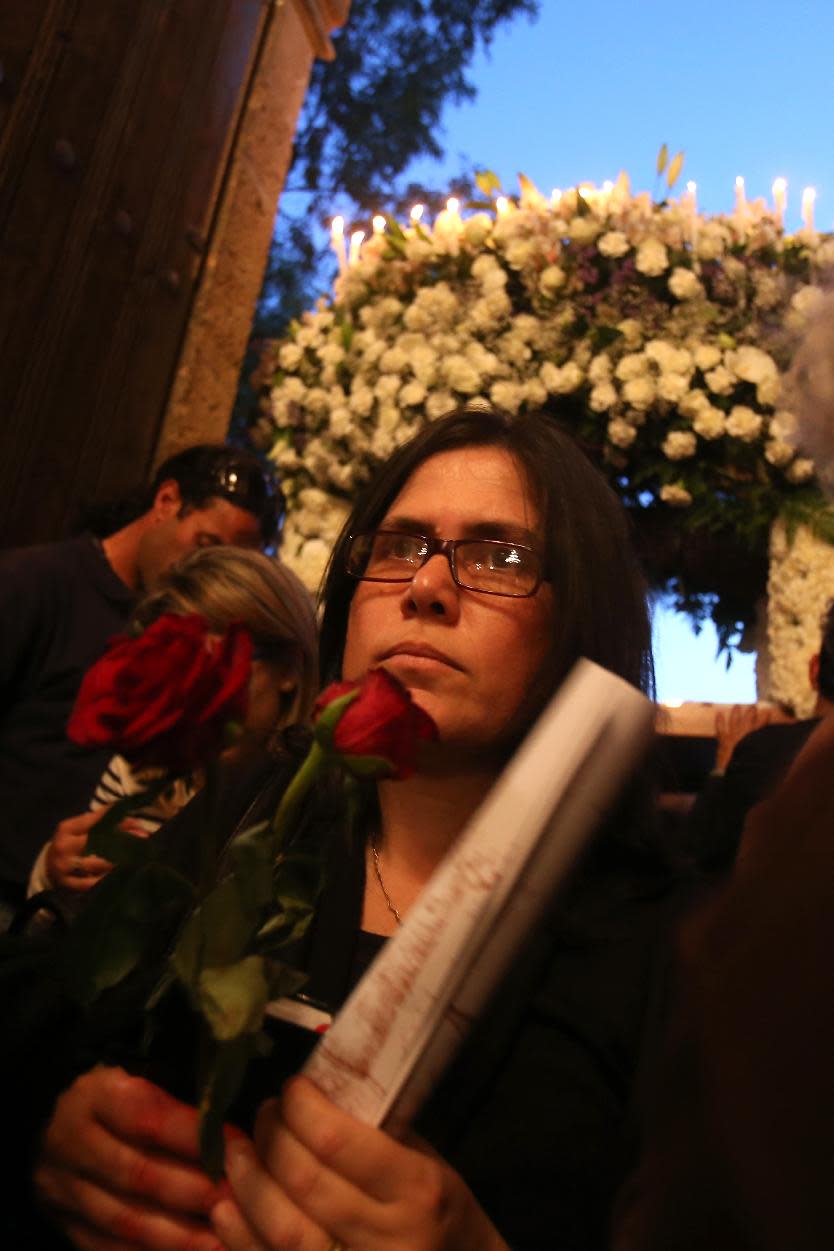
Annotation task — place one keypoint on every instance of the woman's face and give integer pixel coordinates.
(477, 663)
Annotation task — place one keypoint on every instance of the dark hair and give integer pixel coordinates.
(210, 470)
(599, 590)
(202, 473)
(826, 671)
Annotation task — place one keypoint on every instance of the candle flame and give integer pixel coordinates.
(502, 205)
(417, 212)
(809, 195)
(739, 183)
(779, 185)
(379, 224)
(556, 195)
(692, 187)
(453, 205)
(608, 186)
(337, 227)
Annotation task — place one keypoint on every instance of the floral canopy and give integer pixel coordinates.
(657, 336)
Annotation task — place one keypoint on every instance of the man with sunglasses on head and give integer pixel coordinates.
(61, 602)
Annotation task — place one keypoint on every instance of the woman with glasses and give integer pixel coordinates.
(483, 560)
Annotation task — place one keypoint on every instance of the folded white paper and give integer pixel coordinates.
(409, 1013)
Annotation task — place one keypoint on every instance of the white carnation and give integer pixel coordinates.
(751, 364)
(631, 330)
(488, 272)
(667, 357)
(709, 422)
(719, 380)
(707, 356)
(507, 395)
(613, 243)
(561, 381)
(693, 403)
(685, 285)
(679, 444)
(779, 453)
(743, 423)
(652, 258)
(603, 396)
(424, 364)
(387, 387)
(672, 387)
(600, 369)
(535, 392)
(621, 433)
(675, 495)
(361, 401)
(340, 422)
(639, 393)
(412, 394)
(290, 356)
(801, 470)
(551, 279)
(712, 241)
(393, 361)
(519, 252)
(460, 375)
(439, 404)
(632, 365)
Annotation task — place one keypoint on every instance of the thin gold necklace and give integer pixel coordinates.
(378, 871)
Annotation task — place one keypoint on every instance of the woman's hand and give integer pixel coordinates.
(320, 1178)
(67, 867)
(118, 1168)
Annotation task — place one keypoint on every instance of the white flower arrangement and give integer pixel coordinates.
(657, 336)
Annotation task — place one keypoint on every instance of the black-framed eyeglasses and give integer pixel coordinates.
(489, 566)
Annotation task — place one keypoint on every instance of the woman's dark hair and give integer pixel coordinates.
(599, 595)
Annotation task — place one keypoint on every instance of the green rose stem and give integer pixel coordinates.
(293, 798)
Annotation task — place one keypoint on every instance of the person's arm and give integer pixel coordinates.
(317, 1176)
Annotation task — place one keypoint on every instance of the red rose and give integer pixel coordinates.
(381, 722)
(166, 697)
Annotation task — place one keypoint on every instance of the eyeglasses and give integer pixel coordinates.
(489, 566)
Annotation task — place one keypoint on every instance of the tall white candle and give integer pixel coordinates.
(417, 212)
(741, 199)
(356, 246)
(379, 224)
(809, 195)
(780, 200)
(337, 240)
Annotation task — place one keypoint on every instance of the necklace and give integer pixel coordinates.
(378, 871)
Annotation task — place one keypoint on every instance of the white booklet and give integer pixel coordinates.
(408, 1015)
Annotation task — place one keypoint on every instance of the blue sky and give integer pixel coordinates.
(591, 88)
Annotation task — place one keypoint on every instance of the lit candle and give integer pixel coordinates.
(337, 239)
(556, 197)
(809, 195)
(692, 192)
(379, 224)
(416, 213)
(502, 206)
(605, 194)
(452, 206)
(741, 199)
(356, 246)
(780, 200)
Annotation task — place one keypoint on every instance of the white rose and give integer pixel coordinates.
(603, 396)
(331, 354)
(551, 279)
(675, 495)
(707, 357)
(621, 433)
(639, 392)
(613, 243)
(317, 401)
(412, 394)
(684, 285)
(652, 258)
(507, 395)
(514, 350)
(562, 381)
(632, 365)
(719, 380)
(672, 387)
(709, 422)
(460, 375)
(340, 422)
(743, 423)
(801, 470)
(779, 453)
(679, 445)
(424, 362)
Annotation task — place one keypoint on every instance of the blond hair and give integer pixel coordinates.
(226, 584)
